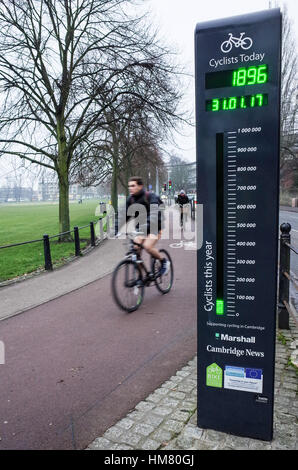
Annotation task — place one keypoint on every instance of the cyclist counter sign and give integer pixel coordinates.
(237, 107)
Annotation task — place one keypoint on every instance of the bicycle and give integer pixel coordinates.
(129, 282)
(243, 42)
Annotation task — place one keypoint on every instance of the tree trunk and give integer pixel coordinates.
(64, 220)
(63, 174)
(128, 174)
(114, 187)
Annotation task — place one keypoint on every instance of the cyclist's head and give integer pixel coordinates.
(135, 185)
(182, 192)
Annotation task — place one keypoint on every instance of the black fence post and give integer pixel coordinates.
(107, 221)
(47, 253)
(100, 224)
(284, 284)
(116, 222)
(77, 241)
(92, 234)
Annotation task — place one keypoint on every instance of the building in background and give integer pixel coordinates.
(49, 191)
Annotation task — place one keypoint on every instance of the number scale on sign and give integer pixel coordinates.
(240, 190)
(231, 222)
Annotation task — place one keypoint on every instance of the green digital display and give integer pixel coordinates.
(243, 76)
(237, 102)
(220, 307)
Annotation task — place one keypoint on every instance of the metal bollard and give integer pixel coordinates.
(107, 221)
(47, 253)
(100, 222)
(92, 234)
(284, 283)
(77, 241)
(116, 223)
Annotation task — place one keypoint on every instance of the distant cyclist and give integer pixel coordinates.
(152, 223)
(182, 200)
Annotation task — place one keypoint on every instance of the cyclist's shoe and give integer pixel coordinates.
(139, 283)
(165, 267)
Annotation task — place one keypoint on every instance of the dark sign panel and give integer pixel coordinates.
(238, 109)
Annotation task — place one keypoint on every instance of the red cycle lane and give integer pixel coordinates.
(76, 365)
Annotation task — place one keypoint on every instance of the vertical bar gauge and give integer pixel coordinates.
(220, 303)
(226, 223)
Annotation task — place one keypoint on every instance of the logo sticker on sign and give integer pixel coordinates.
(243, 379)
(214, 376)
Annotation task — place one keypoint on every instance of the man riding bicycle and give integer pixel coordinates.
(182, 200)
(150, 219)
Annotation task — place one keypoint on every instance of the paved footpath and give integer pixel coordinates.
(167, 419)
(39, 289)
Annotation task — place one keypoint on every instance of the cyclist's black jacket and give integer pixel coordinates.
(153, 218)
(182, 199)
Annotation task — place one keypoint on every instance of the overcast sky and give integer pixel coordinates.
(177, 19)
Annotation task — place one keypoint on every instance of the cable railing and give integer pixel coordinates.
(285, 308)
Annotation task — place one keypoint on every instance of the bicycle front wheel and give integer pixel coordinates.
(246, 43)
(127, 286)
(163, 283)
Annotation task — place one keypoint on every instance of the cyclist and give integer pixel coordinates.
(152, 222)
(182, 199)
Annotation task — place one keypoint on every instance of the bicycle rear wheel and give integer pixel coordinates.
(226, 46)
(127, 286)
(163, 283)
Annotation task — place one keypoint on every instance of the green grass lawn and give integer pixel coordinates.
(24, 222)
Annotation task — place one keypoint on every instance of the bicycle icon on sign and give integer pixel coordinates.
(243, 42)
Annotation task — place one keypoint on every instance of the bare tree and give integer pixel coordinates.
(181, 173)
(135, 125)
(144, 159)
(33, 173)
(62, 64)
(289, 101)
(127, 148)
